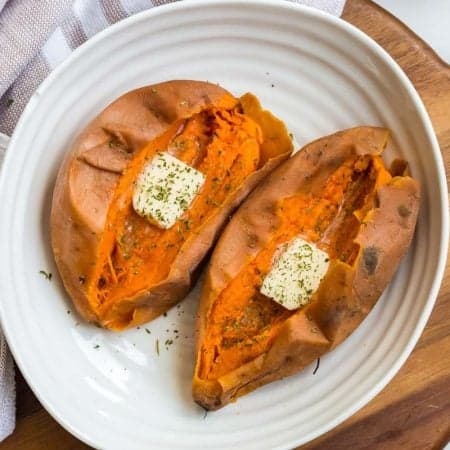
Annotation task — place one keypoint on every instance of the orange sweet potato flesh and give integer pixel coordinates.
(119, 269)
(336, 193)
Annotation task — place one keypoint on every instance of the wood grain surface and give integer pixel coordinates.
(413, 411)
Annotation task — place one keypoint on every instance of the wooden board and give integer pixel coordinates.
(413, 411)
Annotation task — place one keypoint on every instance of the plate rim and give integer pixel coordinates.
(150, 14)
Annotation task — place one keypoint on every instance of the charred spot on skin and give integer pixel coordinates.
(101, 283)
(154, 112)
(252, 240)
(317, 156)
(370, 259)
(403, 211)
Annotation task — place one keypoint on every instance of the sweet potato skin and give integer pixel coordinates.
(87, 178)
(346, 295)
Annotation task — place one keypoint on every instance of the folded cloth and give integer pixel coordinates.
(36, 36)
(7, 382)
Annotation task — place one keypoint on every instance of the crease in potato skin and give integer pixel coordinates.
(333, 193)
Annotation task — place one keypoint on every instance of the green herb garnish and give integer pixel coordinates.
(47, 275)
(317, 366)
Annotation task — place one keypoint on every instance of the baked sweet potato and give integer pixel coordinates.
(119, 268)
(337, 194)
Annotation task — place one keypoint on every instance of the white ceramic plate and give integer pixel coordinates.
(317, 73)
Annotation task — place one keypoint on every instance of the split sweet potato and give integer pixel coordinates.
(119, 268)
(336, 193)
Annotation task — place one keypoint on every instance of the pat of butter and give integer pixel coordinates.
(296, 274)
(165, 189)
